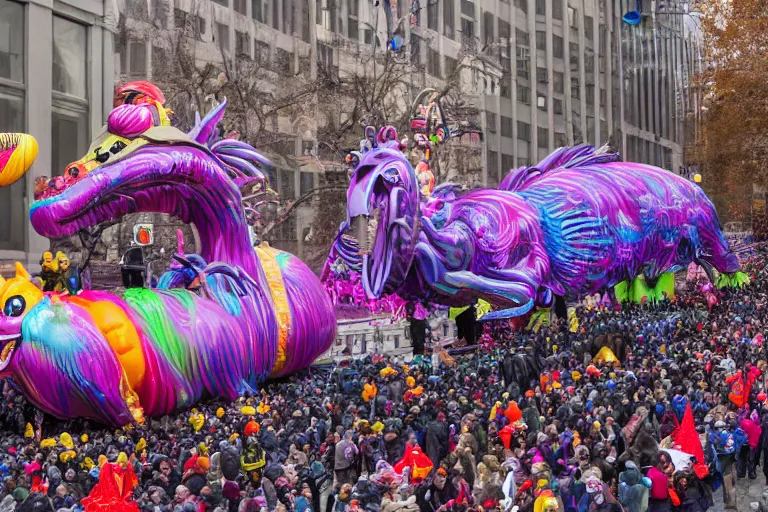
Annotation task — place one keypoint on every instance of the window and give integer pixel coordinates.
(353, 31)
(575, 91)
(507, 163)
(506, 126)
(259, 11)
(69, 119)
(557, 105)
(560, 140)
(541, 7)
(432, 6)
(242, 43)
(222, 2)
(433, 62)
(523, 94)
(490, 121)
(573, 18)
(288, 17)
(240, 6)
(603, 98)
(523, 131)
(222, 36)
(522, 5)
(493, 163)
(12, 41)
(589, 29)
(448, 21)
(523, 162)
(12, 217)
(541, 40)
(69, 57)
(557, 9)
(275, 12)
(559, 82)
(541, 102)
(450, 66)
(522, 69)
(489, 35)
(589, 91)
(542, 134)
(467, 28)
(505, 88)
(396, 337)
(287, 188)
(522, 38)
(541, 75)
(307, 182)
(557, 47)
(467, 8)
(367, 36)
(573, 50)
(305, 22)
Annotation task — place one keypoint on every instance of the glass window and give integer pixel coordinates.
(467, 28)
(542, 135)
(431, 15)
(559, 82)
(507, 163)
(240, 6)
(557, 47)
(541, 40)
(557, 105)
(523, 94)
(433, 62)
(468, 8)
(506, 126)
(493, 163)
(557, 10)
(523, 131)
(222, 36)
(541, 7)
(589, 29)
(541, 102)
(242, 43)
(560, 140)
(307, 182)
(12, 215)
(69, 57)
(522, 5)
(448, 22)
(490, 121)
(505, 87)
(488, 28)
(450, 66)
(11, 41)
(287, 188)
(258, 12)
(138, 61)
(69, 131)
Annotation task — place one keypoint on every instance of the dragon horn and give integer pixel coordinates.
(22, 272)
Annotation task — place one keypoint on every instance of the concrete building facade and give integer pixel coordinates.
(560, 72)
(56, 82)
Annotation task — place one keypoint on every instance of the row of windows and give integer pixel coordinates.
(69, 113)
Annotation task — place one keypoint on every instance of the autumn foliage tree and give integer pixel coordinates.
(735, 121)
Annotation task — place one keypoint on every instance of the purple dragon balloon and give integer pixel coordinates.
(226, 319)
(578, 222)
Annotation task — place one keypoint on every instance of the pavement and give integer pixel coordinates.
(747, 491)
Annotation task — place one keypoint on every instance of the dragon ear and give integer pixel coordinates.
(203, 129)
(22, 272)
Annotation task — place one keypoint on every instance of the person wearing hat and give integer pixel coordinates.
(346, 460)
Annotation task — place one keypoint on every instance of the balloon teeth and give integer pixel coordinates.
(6, 353)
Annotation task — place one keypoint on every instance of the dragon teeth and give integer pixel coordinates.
(7, 351)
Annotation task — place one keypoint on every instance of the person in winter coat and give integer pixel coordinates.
(436, 439)
(750, 451)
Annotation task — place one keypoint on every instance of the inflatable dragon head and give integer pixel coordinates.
(140, 164)
(382, 210)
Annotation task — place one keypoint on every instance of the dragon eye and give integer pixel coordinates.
(117, 147)
(102, 157)
(15, 306)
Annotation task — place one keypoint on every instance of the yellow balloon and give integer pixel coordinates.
(697, 178)
(17, 153)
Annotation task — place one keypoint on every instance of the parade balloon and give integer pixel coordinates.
(578, 222)
(219, 323)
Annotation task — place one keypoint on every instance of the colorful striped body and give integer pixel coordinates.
(163, 350)
(256, 313)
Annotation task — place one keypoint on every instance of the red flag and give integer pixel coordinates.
(686, 437)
